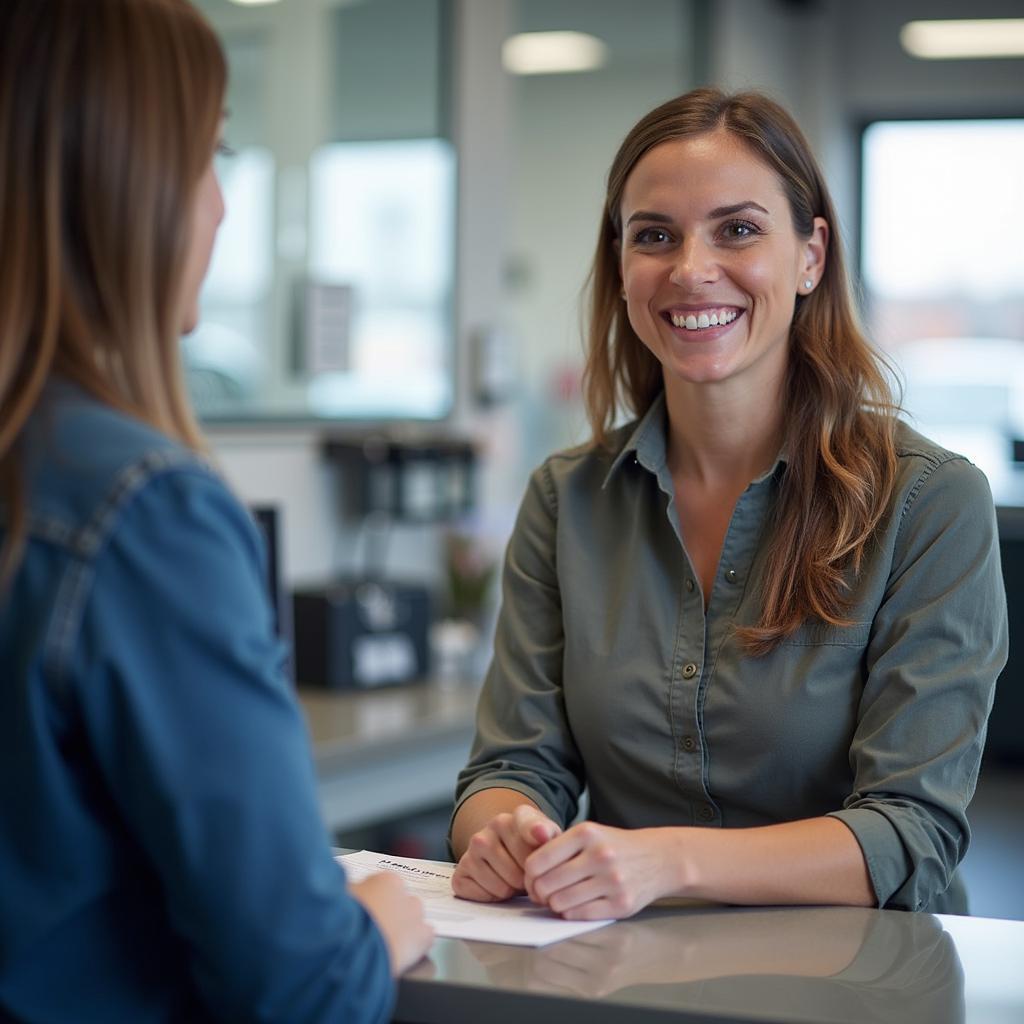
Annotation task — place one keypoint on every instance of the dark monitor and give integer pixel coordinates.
(1005, 741)
(268, 519)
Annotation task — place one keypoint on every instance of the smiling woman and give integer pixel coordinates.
(738, 265)
(760, 623)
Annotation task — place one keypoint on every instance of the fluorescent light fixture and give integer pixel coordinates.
(548, 53)
(253, 3)
(952, 40)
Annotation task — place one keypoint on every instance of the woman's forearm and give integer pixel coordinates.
(814, 861)
(479, 809)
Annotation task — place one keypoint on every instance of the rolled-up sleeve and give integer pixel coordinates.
(938, 642)
(523, 741)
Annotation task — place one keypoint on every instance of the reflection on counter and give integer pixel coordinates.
(820, 963)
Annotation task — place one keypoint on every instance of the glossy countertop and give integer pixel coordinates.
(700, 963)
(345, 725)
(385, 753)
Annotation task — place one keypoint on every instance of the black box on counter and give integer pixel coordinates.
(361, 634)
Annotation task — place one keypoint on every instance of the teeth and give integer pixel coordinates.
(698, 321)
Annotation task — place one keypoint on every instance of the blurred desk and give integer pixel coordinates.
(384, 753)
(840, 965)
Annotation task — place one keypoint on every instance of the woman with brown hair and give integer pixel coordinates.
(161, 850)
(762, 622)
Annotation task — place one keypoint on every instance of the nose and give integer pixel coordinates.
(694, 264)
(221, 205)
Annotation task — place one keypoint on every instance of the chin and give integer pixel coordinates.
(191, 322)
(699, 371)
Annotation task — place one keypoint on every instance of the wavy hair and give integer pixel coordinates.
(841, 410)
(109, 113)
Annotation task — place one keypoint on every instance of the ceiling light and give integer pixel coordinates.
(253, 3)
(547, 53)
(950, 40)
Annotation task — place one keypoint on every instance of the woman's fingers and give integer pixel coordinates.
(490, 849)
(534, 828)
(492, 866)
(466, 887)
(547, 865)
(592, 871)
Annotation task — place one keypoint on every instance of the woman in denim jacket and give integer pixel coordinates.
(161, 851)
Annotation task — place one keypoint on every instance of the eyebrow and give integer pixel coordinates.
(747, 204)
(718, 211)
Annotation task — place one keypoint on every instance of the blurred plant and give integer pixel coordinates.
(470, 571)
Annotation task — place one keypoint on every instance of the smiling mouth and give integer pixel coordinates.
(700, 320)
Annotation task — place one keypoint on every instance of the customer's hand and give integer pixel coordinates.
(595, 871)
(491, 869)
(399, 916)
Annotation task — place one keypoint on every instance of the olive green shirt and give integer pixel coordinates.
(609, 674)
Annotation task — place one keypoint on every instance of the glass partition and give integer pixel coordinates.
(330, 286)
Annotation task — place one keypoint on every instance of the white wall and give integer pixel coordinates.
(567, 129)
(285, 469)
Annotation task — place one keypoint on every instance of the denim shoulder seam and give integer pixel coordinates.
(128, 482)
(51, 529)
(85, 544)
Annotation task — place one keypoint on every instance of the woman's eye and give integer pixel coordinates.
(737, 230)
(651, 236)
(223, 149)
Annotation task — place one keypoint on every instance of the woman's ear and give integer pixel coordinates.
(815, 249)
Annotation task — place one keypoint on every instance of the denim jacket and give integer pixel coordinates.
(161, 852)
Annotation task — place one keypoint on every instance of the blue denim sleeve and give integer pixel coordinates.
(206, 755)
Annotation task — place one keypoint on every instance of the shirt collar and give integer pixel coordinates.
(647, 445)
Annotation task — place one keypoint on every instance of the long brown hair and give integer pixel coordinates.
(109, 112)
(841, 413)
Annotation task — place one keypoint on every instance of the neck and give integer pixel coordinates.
(721, 436)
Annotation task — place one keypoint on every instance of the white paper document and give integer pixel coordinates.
(517, 922)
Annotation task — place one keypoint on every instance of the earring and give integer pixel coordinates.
(808, 284)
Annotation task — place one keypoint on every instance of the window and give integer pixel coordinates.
(943, 219)
(331, 283)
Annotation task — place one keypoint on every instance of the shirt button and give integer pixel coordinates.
(689, 743)
(689, 670)
(689, 586)
(731, 575)
(706, 813)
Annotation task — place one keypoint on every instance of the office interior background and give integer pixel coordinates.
(391, 335)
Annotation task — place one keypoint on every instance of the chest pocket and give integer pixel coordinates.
(822, 634)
